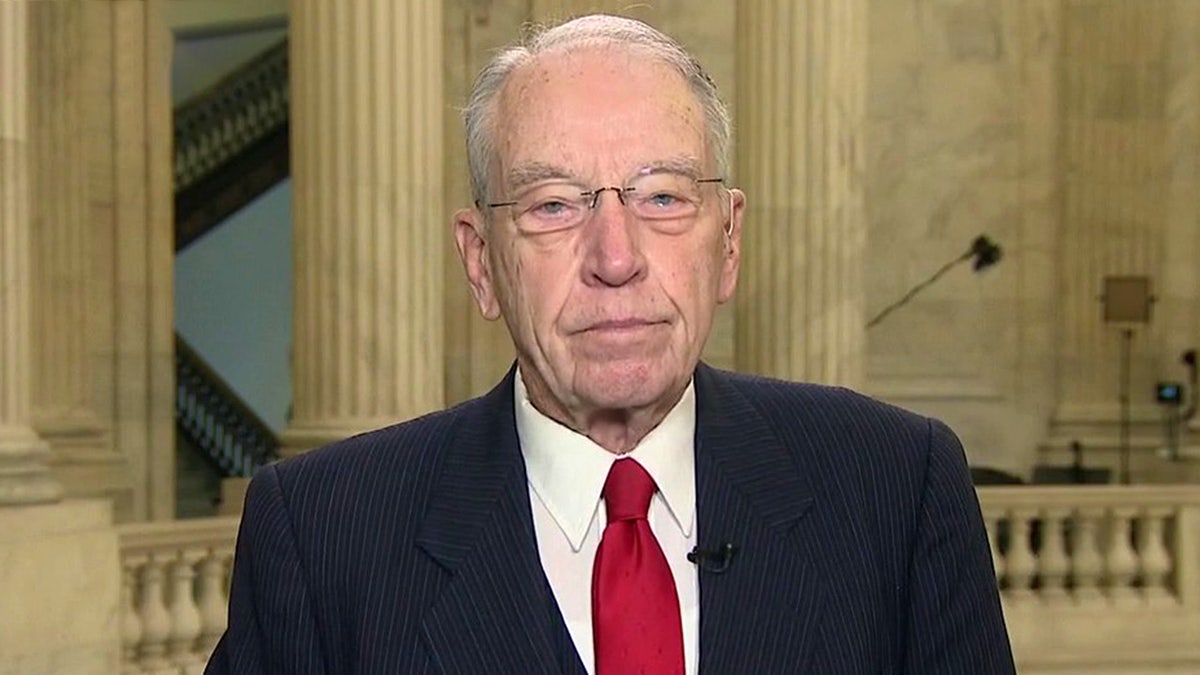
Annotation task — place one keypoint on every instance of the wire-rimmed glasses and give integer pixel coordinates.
(666, 200)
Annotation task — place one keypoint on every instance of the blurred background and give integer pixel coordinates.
(224, 240)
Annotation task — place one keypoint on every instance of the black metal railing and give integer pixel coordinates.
(231, 144)
(212, 417)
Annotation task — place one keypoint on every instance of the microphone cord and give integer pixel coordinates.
(912, 293)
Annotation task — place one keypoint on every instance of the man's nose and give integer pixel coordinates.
(614, 256)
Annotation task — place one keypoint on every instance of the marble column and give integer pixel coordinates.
(1179, 291)
(24, 476)
(799, 110)
(51, 554)
(1114, 145)
(127, 93)
(62, 232)
(370, 227)
(477, 352)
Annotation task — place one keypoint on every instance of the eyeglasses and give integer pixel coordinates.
(667, 201)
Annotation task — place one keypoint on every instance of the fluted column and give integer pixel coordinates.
(24, 476)
(62, 232)
(1178, 306)
(367, 108)
(800, 104)
(477, 352)
(1115, 192)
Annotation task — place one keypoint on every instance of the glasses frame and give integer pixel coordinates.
(595, 194)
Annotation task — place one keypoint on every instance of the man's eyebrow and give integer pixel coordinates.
(687, 166)
(524, 175)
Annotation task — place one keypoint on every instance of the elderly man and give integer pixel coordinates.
(614, 506)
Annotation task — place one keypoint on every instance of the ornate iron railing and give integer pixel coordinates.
(231, 144)
(212, 417)
(242, 108)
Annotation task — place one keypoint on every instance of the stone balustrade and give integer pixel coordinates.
(1098, 579)
(1102, 579)
(1102, 546)
(174, 593)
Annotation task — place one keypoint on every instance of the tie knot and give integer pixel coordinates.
(627, 491)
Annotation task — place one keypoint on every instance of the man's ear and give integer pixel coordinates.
(733, 245)
(470, 238)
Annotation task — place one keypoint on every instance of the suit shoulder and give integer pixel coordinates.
(837, 408)
(868, 461)
(395, 450)
(835, 431)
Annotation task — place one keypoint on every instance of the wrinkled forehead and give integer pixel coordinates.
(599, 113)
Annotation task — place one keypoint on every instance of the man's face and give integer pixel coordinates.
(611, 314)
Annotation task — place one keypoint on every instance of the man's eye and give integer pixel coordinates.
(552, 207)
(664, 199)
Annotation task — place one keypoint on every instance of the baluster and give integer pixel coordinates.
(213, 602)
(1185, 542)
(994, 522)
(1053, 563)
(156, 621)
(131, 623)
(1021, 562)
(1154, 556)
(1086, 563)
(185, 617)
(1121, 563)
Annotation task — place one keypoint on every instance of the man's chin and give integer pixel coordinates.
(621, 386)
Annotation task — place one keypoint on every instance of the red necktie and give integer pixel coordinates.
(635, 610)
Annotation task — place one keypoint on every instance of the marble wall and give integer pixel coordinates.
(960, 142)
(61, 583)
(1066, 131)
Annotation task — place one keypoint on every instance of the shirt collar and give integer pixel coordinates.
(567, 470)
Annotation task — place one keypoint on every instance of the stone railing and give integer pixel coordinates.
(1103, 578)
(174, 593)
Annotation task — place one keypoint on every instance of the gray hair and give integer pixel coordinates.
(585, 32)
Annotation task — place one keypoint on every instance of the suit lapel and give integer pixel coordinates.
(496, 612)
(761, 614)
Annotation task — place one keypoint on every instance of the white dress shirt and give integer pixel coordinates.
(566, 473)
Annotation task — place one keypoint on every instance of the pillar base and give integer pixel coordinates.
(61, 583)
(25, 477)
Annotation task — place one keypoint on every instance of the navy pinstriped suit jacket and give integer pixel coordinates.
(411, 549)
